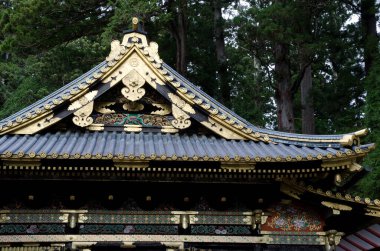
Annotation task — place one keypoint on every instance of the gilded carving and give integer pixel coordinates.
(336, 207)
(82, 116)
(102, 107)
(116, 48)
(133, 106)
(163, 109)
(372, 211)
(87, 98)
(181, 103)
(133, 86)
(182, 120)
(134, 62)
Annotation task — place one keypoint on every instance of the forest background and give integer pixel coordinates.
(305, 66)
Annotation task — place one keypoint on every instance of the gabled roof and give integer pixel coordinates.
(208, 111)
(134, 65)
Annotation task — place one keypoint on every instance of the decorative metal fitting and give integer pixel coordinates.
(184, 221)
(73, 219)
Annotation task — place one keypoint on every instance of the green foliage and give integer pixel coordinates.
(30, 79)
(31, 26)
(369, 185)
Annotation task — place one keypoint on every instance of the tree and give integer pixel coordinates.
(178, 28)
(221, 57)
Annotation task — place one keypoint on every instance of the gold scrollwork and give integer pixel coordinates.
(82, 116)
(64, 218)
(133, 106)
(83, 101)
(182, 120)
(164, 109)
(133, 86)
(180, 103)
(336, 207)
(116, 49)
(102, 107)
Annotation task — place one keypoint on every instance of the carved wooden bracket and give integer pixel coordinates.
(133, 82)
(83, 107)
(182, 120)
(82, 116)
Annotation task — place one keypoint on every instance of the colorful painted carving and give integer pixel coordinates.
(132, 119)
(293, 218)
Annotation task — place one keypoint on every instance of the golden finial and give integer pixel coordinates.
(135, 23)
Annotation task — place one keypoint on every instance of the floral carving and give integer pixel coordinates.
(293, 218)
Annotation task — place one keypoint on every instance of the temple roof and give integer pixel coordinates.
(150, 145)
(152, 110)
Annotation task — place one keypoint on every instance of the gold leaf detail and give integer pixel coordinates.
(82, 116)
(206, 106)
(190, 95)
(198, 101)
(133, 82)
(83, 101)
(176, 84)
(180, 103)
(182, 90)
(182, 120)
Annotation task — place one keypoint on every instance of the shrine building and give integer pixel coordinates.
(133, 156)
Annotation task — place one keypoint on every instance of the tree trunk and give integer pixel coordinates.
(178, 29)
(369, 33)
(221, 57)
(182, 30)
(283, 93)
(307, 104)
